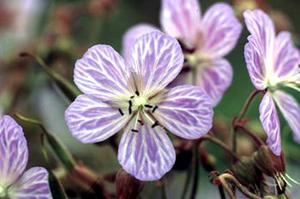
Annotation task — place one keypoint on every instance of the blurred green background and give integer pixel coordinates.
(61, 31)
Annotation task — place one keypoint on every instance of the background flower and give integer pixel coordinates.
(15, 182)
(273, 62)
(211, 37)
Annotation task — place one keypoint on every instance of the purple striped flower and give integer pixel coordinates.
(15, 182)
(131, 96)
(273, 63)
(209, 38)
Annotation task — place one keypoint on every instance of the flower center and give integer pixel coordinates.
(2, 192)
(195, 59)
(139, 101)
(140, 111)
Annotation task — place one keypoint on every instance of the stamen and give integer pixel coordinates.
(278, 182)
(137, 93)
(141, 122)
(291, 179)
(282, 176)
(148, 106)
(121, 112)
(150, 118)
(155, 124)
(134, 130)
(155, 107)
(132, 97)
(130, 107)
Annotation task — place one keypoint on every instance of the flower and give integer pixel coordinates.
(131, 96)
(207, 39)
(273, 63)
(14, 182)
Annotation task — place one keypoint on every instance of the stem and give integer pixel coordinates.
(164, 193)
(220, 144)
(196, 171)
(186, 184)
(227, 177)
(248, 103)
(254, 137)
(241, 116)
(221, 191)
(67, 87)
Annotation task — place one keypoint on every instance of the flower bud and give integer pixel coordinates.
(246, 172)
(269, 163)
(127, 186)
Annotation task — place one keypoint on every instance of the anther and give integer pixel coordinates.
(130, 107)
(137, 93)
(132, 97)
(155, 124)
(155, 107)
(148, 106)
(141, 122)
(134, 130)
(121, 112)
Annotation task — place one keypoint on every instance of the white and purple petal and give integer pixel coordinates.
(13, 151)
(286, 59)
(181, 19)
(221, 30)
(133, 34)
(270, 123)
(186, 111)
(147, 154)
(156, 59)
(255, 64)
(290, 110)
(102, 72)
(215, 78)
(32, 185)
(259, 51)
(90, 120)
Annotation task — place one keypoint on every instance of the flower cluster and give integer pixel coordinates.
(137, 94)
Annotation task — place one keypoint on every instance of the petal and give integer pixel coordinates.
(290, 110)
(90, 120)
(147, 154)
(215, 79)
(157, 59)
(32, 185)
(186, 112)
(181, 19)
(270, 123)
(255, 64)
(133, 34)
(221, 30)
(102, 72)
(259, 50)
(287, 58)
(13, 151)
